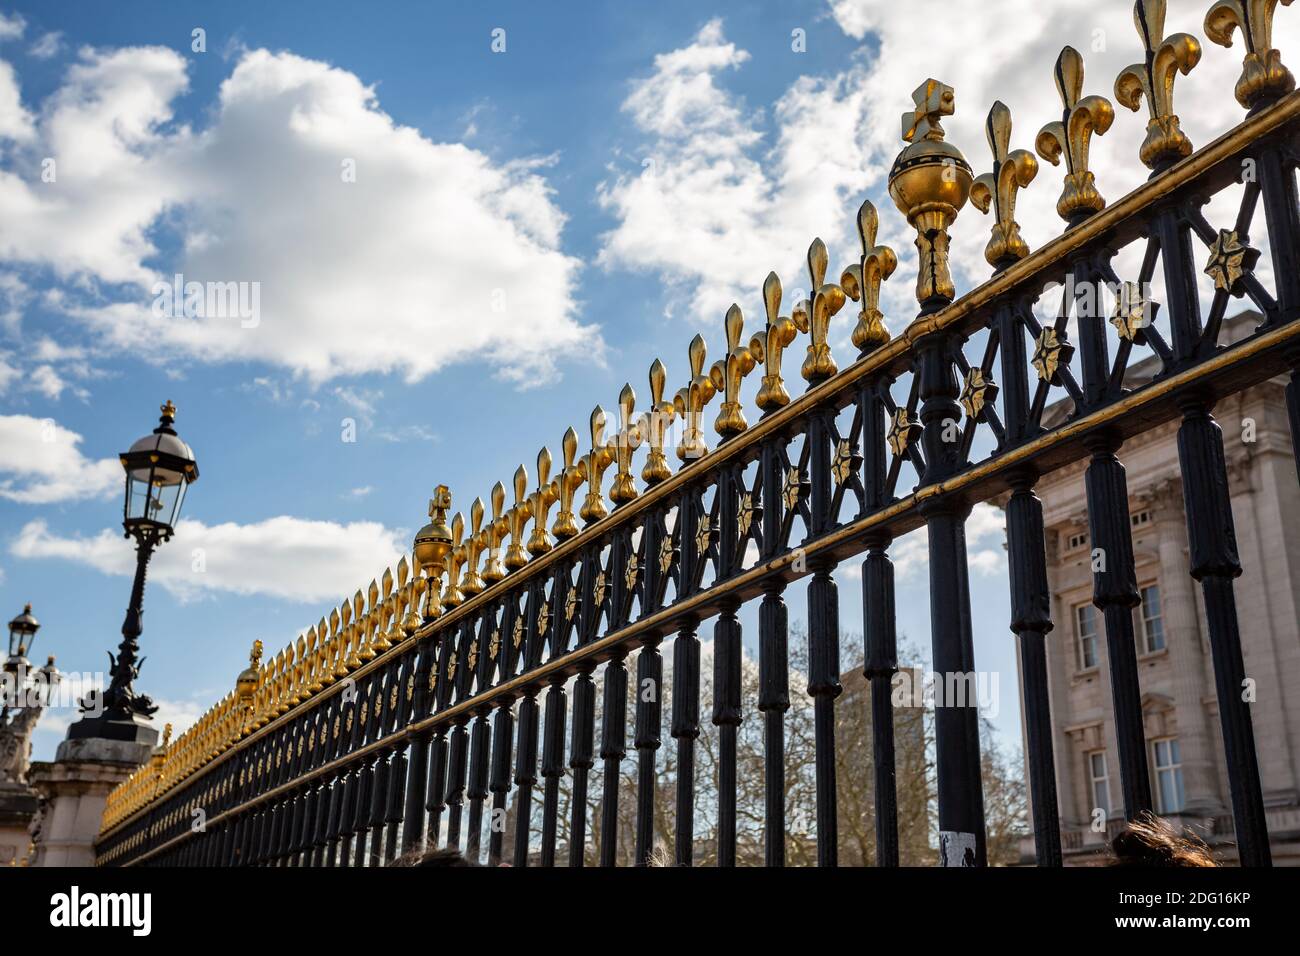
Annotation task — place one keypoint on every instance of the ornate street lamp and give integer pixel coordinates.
(159, 467)
(24, 693)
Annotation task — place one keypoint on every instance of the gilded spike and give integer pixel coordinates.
(568, 481)
(453, 596)
(1013, 170)
(1081, 118)
(518, 519)
(594, 464)
(626, 441)
(1153, 79)
(690, 401)
(827, 300)
(470, 582)
(768, 347)
(862, 282)
(930, 182)
(540, 504)
(495, 533)
(727, 374)
(1263, 78)
(654, 428)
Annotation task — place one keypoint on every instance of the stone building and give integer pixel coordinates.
(1185, 749)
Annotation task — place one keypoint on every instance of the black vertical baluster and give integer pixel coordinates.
(581, 760)
(1213, 546)
(613, 748)
(525, 774)
(726, 715)
(552, 767)
(503, 723)
(773, 660)
(1277, 182)
(1114, 578)
(437, 787)
(417, 786)
(479, 759)
(880, 642)
(823, 637)
(1212, 538)
(649, 726)
(1031, 605)
(726, 664)
(957, 752)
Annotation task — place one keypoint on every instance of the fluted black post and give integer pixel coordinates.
(773, 702)
(499, 780)
(525, 774)
(685, 730)
(649, 726)
(436, 798)
(613, 748)
(1213, 547)
(957, 750)
(552, 767)
(456, 784)
(581, 758)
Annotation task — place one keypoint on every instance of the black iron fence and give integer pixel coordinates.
(380, 729)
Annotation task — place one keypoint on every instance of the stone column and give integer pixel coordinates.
(75, 787)
(1187, 663)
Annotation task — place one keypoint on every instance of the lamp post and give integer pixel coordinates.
(159, 467)
(24, 693)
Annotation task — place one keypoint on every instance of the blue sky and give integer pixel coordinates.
(525, 231)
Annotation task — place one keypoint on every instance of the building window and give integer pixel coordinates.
(1085, 632)
(1169, 775)
(1152, 625)
(1077, 540)
(1099, 780)
(1140, 518)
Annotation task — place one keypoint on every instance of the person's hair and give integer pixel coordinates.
(446, 856)
(1151, 841)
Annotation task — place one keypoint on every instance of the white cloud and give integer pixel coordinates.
(361, 492)
(435, 254)
(11, 25)
(47, 46)
(40, 463)
(48, 382)
(283, 557)
(706, 207)
(985, 532)
(15, 122)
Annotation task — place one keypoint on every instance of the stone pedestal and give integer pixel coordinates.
(76, 786)
(18, 806)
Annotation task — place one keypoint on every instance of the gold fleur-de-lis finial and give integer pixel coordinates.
(1013, 170)
(626, 441)
(471, 583)
(597, 460)
(1263, 78)
(827, 299)
(690, 401)
(539, 542)
(768, 347)
(494, 534)
(1082, 117)
(862, 281)
(453, 595)
(655, 424)
(1153, 79)
(518, 519)
(727, 374)
(929, 183)
(567, 482)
